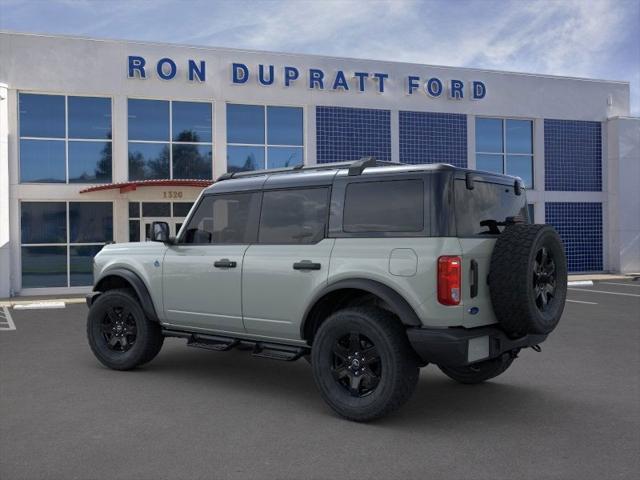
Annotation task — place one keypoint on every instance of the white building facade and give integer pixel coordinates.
(98, 138)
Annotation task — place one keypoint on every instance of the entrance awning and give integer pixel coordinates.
(132, 186)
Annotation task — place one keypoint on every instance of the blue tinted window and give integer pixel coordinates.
(284, 126)
(244, 158)
(89, 162)
(43, 222)
(42, 161)
(521, 166)
(284, 156)
(89, 117)
(44, 267)
(489, 163)
(81, 264)
(90, 222)
(519, 136)
(245, 124)
(41, 115)
(489, 135)
(148, 120)
(148, 161)
(191, 122)
(192, 161)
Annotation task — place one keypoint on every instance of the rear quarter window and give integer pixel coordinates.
(486, 202)
(384, 206)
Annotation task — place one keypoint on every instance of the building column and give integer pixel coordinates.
(623, 194)
(5, 243)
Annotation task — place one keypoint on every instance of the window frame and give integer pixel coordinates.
(66, 139)
(504, 154)
(170, 142)
(266, 145)
(67, 244)
(325, 233)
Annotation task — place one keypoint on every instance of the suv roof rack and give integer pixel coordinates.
(355, 167)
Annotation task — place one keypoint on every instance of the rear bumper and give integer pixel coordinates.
(455, 347)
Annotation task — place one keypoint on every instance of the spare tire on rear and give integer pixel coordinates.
(528, 279)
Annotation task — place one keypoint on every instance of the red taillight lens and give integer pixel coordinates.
(449, 268)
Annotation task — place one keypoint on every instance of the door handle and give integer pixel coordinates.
(306, 265)
(224, 263)
(474, 279)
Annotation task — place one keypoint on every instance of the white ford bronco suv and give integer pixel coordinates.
(368, 269)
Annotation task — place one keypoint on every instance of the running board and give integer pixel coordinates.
(275, 351)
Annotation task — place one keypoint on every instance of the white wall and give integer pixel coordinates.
(623, 158)
(5, 245)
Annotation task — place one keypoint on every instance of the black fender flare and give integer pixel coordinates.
(392, 298)
(136, 283)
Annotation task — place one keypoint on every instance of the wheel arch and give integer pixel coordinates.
(124, 278)
(341, 294)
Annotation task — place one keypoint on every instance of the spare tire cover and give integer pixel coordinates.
(528, 279)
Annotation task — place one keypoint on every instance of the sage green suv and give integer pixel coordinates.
(369, 270)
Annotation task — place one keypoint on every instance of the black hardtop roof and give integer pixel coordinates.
(324, 174)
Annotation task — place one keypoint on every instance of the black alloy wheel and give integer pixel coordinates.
(544, 281)
(119, 333)
(119, 328)
(356, 364)
(363, 364)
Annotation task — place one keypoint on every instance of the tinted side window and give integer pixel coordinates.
(294, 216)
(221, 219)
(389, 206)
(486, 202)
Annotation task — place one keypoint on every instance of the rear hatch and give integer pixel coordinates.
(483, 204)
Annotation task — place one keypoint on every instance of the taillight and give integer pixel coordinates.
(449, 278)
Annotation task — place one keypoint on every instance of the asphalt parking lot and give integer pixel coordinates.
(572, 411)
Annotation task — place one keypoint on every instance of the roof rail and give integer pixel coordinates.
(355, 168)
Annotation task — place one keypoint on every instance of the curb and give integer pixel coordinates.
(25, 304)
(580, 283)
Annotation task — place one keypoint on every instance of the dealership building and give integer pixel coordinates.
(99, 138)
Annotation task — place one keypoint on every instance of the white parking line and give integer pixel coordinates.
(621, 284)
(602, 291)
(39, 305)
(580, 301)
(6, 322)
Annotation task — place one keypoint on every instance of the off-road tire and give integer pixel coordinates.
(478, 372)
(513, 279)
(397, 363)
(148, 337)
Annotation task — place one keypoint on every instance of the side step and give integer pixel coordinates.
(217, 343)
(220, 344)
(278, 352)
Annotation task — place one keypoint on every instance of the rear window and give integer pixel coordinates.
(487, 202)
(389, 206)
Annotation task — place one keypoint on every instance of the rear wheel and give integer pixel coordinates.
(479, 372)
(363, 364)
(119, 333)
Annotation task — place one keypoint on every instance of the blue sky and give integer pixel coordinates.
(583, 38)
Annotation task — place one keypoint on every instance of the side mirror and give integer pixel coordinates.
(160, 232)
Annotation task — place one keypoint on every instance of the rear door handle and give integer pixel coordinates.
(474, 279)
(224, 263)
(306, 265)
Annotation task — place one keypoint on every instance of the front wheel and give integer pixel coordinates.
(363, 364)
(119, 333)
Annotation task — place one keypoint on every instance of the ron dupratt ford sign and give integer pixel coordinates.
(313, 78)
